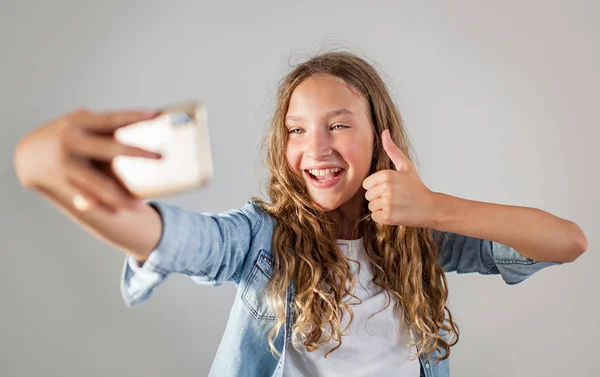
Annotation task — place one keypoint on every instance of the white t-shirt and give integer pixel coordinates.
(369, 348)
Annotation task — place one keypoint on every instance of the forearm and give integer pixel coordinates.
(532, 232)
(135, 231)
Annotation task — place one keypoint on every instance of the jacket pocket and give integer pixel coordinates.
(254, 294)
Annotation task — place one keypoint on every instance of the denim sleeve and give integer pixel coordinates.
(465, 254)
(208, 247)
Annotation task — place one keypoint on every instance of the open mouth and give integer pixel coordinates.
(324, 178)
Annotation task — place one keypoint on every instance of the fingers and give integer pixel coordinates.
(377, 178)
(87, 138)
(109, 121)
(103, 148)
(95, 187)
(379, 191)
(84, 201)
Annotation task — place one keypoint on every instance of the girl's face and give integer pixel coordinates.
(330, 140)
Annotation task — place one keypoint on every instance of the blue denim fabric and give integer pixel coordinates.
(235, 246)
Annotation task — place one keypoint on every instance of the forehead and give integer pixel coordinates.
(321, 95)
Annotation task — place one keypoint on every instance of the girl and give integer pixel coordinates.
(349, 223)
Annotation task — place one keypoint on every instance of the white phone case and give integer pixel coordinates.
(180, 134)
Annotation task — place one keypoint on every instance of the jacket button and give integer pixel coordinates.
(292, 305)
(426, 365)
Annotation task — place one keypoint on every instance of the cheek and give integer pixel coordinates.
(361, 161)
(293, 158)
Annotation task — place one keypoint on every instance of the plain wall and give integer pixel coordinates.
(500, 100)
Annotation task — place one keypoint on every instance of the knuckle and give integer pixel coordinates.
(77, 113)
(110, 118)
(70, 179)
(67, 139)
(112, 189)
(118, 192)
(109, 197)
(75, 174)
(64, 123)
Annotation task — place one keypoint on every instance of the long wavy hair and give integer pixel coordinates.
(404, 259)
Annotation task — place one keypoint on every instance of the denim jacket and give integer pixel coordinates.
(235, 246)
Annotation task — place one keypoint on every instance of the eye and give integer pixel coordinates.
(341, 126)
(293, 131)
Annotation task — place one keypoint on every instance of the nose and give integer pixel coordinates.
(318, 146)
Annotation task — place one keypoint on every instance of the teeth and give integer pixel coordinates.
(322, 172)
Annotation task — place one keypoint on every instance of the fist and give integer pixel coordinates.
(399, 197)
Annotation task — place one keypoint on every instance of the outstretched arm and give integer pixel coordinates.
(399, 197)
(532, 232)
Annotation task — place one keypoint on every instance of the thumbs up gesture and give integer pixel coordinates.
(399, 197)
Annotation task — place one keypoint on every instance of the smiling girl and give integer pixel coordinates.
(342, 271)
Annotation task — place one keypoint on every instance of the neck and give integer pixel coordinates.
(348, 214)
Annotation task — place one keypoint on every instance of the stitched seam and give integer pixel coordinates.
(491, 271)
(195, 273)
(512, 261)
(259, 222)
(252, 310)
(248, 282)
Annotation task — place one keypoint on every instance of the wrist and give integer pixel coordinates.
(443, 210)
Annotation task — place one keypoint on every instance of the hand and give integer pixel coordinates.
(74, 152)
(399, 197)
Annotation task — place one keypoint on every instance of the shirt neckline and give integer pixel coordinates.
(350, 243)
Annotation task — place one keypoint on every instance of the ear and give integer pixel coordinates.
(401, 162)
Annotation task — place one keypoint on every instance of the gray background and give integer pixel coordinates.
(500, 99)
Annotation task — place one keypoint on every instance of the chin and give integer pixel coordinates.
(326, 205)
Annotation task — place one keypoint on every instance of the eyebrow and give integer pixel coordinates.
(342, 111)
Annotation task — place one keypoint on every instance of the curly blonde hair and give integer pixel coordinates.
(404, 259)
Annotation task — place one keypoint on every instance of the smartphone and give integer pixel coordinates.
(180, 135)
